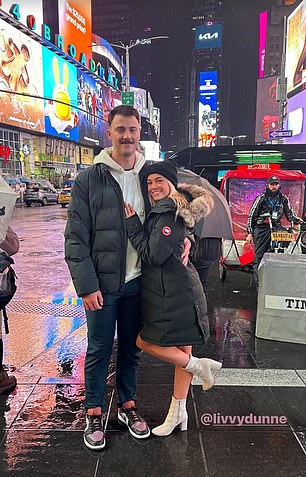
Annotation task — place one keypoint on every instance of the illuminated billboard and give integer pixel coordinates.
(21, 11)
(208, 88)
(140, 101)
(208, 36)
(75, 24)
(296, 119)
(263, 22)
(111, 99)
(20, 79)
(90, 99)
(296, 50)
(156, 122)
(60, 79)
(267, 108)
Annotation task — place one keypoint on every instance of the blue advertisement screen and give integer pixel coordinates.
(90, 100)
(208, 88)
(60, 112)
(208, 36)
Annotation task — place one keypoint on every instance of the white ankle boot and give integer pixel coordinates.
(177, 415)
(205, 369)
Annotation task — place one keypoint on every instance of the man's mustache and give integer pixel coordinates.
(127, 142)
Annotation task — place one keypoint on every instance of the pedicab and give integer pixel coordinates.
(240, 187)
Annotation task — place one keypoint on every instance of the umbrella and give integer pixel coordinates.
(218, 223)
(7, 203)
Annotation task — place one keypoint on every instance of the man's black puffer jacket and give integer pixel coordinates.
(96, 237)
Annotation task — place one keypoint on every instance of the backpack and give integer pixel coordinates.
(7, 285)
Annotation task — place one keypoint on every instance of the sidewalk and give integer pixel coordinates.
(41, 423)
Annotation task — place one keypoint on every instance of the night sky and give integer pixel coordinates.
(172, 17)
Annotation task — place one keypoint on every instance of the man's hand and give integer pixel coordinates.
(129, 211)
(249, 238)
(185, 254)
(93, 301)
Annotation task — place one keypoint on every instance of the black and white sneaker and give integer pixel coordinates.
(136, 425)
(94, 434)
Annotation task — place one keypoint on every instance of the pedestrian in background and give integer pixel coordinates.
(277, 205)
(174, 311)
(205, 252)
(11, 246)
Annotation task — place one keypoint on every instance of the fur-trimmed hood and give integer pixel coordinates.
(200, 203)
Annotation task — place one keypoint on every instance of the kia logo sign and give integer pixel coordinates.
(208, 36)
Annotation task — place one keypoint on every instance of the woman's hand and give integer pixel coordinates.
(129, 211)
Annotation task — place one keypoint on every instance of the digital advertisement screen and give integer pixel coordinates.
(263, 22)
(208, 88)
(23, 9)
(156, 122)
(295, 119)
(140, 101)
(296, 50)
(90, 100)
(20, 72)
(75, 25)
(208, 36)
(111, 99)
(61, 113)
(267, 108)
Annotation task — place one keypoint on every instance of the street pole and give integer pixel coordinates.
(281, 92)
(144, 41)
(127, 65)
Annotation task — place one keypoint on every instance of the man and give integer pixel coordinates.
(276, 204)
(105, 269)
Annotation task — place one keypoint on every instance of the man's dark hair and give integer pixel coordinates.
(123, 110)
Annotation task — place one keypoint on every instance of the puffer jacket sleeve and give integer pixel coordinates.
(11, 242)
(78, 237)
(155, 248)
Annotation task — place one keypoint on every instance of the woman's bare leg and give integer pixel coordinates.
(170, 354)
(182, 379)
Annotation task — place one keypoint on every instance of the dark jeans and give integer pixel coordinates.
(123, 308)
(262, 243)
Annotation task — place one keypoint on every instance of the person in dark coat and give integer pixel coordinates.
(174, 311)
(10, 245)
(277, 205)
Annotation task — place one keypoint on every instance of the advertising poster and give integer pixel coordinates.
(111, 99)
(208, 87)
(20, 72)
(295, 119)
(267, 108)
(23, 9)
(156, 122)
(75, 25)
(61, 114)
(296, 50)
(263, 23)
(90, 100)
(140, 101)
(208, 36)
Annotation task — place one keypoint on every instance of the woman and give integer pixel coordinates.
(174, 309)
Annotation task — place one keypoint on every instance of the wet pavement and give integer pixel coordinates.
(251, 423)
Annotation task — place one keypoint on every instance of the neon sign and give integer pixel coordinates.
(70, 49)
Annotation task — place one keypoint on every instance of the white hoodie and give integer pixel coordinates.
(130, 185)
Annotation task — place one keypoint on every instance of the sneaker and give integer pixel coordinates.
(7, 383)
(136, 425)
(94, 434)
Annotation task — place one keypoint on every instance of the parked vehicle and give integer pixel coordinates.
(64, 196)
(40, 192)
